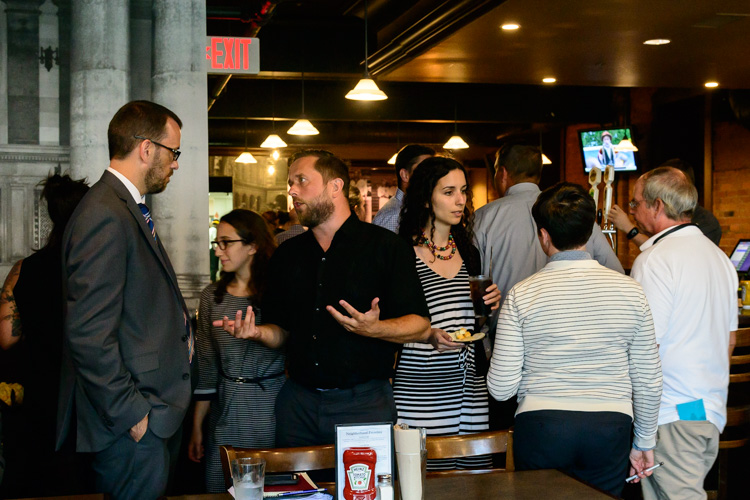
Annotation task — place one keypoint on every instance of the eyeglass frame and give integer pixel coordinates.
(634, 204)
(223, 244)
(175, 152)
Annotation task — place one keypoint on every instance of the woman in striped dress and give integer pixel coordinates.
(437, 386)
(238, 379)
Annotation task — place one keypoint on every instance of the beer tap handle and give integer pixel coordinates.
(595, 177)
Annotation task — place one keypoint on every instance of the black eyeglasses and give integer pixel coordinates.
(223, 244)
(175, 152)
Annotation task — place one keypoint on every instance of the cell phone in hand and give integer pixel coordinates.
(280, 479)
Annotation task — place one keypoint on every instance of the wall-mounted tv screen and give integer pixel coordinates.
(601, 147)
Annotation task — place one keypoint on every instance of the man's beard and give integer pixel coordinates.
(318, 211)
(155, 181)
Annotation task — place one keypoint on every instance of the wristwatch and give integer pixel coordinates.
(632, 233)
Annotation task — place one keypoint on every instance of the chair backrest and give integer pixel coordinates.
(301, 459)
(742, 358)
(737, 430)
(471, 445)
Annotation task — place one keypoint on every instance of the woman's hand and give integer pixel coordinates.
(442, 342)
(195, 447)
(492, 298)
(246, 329)
(620, 219)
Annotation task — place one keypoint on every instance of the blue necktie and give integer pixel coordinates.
(147, 215)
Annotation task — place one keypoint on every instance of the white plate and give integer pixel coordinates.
(476, 336)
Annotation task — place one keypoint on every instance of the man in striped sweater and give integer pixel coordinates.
(576, 342)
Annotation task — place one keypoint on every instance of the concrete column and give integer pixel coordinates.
(179, 83)
(140, 49)
(23, 70)
(99, 80)
(49, 77)
(63, 28)
(3, 79)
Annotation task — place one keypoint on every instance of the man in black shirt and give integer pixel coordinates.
(341, 297)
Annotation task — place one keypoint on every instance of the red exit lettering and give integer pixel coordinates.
(236, 52)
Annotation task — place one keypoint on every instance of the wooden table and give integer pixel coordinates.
(526, 485)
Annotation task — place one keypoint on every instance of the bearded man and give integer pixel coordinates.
(341, 297)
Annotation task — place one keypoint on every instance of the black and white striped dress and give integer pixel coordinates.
(441, 391)
(241, 414)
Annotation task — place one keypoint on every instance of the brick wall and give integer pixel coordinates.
(731, 177)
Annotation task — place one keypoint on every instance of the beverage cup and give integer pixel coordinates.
(248, 475)
(412, 470)
(478, 287)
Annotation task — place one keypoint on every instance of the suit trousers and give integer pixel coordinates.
(308, 417)
(688, 450)
(138, 471)
(592, 446)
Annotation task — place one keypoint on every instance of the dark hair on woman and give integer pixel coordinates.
(417, 210)
(251, 228)
(567, 212)
(62, 195)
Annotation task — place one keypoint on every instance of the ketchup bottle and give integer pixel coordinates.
(359, 470)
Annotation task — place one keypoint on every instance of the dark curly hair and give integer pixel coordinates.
(252, 228)
(62, 194)
(417, 210)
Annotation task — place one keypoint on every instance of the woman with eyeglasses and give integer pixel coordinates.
(239, 379)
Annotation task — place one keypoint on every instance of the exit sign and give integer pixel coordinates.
(232, 55)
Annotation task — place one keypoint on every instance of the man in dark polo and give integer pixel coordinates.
(341, 297)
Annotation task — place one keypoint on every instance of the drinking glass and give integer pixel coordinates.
(248, 475)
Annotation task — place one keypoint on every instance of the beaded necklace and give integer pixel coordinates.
(434, 248)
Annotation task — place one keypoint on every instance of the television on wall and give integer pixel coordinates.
(602, 147)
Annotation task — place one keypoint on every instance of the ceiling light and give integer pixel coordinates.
(275, 155)
(392, 161)
(712, 85)
(545, 160)
(510, 26)
(303, 127)
(549, 79)
(273, 141)
(657, 41)
(626, 145)
(455, 142)
(366, 89)
(246, 157)
(271, 170)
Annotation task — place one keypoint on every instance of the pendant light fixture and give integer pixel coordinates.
(455, 142)
(366, 89)
(246, 156)
(626, 145)
(545, 160)
(392, 161)
(303, 126)
(273, 141)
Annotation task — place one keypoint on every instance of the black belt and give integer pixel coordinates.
(255, 380)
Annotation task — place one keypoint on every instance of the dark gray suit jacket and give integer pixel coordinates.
(125, 352)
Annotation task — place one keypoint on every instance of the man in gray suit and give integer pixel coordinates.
(128, 346)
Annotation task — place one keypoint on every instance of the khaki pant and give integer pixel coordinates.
(688, 450)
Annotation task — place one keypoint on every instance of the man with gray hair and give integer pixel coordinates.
(691, 287)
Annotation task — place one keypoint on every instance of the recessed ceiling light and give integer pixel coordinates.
(712, 85)
(549, 79)
(510, 26)
(657, 41)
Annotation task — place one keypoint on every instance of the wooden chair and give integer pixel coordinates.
(471, 445)
(303, 459)
(737, 430)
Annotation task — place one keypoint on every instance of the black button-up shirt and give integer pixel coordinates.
(363, 262)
